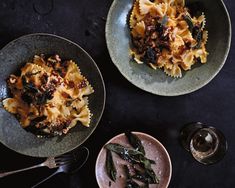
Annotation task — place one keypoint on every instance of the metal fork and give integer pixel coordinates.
(50, 162)
(80, 157)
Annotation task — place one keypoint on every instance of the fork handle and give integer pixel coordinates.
(3, 174)
(39, 183)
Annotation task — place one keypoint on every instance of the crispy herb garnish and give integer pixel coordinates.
(38, 130)
(147, 176)
(132, 184)
(136, 156)
(150, 56)
(129, 182)
(189, 21)
(195, 30)
(24, 82)
(30, 87)
(146, 163)
(149, 171)
(164, 20)
(143, 177)
(130, 155)
(153, 176)
(26, 97)
(41, 99)
(32, 94)
(127, 172)
(152, 161)
(198, 60)
(110, 167)
(135, 142)
(198, 39)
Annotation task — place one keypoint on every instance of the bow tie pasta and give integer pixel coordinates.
(165, 36)
(50, 96)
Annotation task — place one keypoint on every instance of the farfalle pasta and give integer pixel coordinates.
(49, 97)
(166, 36)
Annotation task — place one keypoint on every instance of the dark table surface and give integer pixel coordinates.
(127, 107)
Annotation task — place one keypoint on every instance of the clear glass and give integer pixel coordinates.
(206, 144)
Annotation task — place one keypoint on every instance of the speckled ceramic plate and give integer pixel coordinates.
(12, 58)
(154, 150)
(156, 82)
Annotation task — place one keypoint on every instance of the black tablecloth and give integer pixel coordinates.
(127, 107)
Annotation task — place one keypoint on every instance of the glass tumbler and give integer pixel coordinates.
(206, 143)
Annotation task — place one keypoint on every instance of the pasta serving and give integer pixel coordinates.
(50, 96)
(166, 36)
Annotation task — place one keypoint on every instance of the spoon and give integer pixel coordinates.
(80, 156)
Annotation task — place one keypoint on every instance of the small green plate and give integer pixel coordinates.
(12, 57)
(157, 82)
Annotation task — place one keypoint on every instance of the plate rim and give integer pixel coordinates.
(166, 94)
(101, 77)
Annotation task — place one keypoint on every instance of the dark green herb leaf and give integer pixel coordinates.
(198, 60)
(152, 161)
(159, 28)
(26, 97)
(145, 186)
(110, 167)
(30, 87)
(189, 22)
(130, 155)
(147, 177)
(132, 184)
(129, 180)
(196, 30)
(146, 163)
(41, 99)
(127, 171)
(154, 178)
(38, 130)
(143, 178)
(150, 56)
(164, 20)
(119, 149)
(135, 142)
(199, 40)
(24, 82)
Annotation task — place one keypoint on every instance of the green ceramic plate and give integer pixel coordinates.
(12, 57)
(156, 82)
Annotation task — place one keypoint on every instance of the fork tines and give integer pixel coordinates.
(64, 159)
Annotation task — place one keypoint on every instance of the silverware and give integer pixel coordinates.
(80, 156)
(50, 162)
